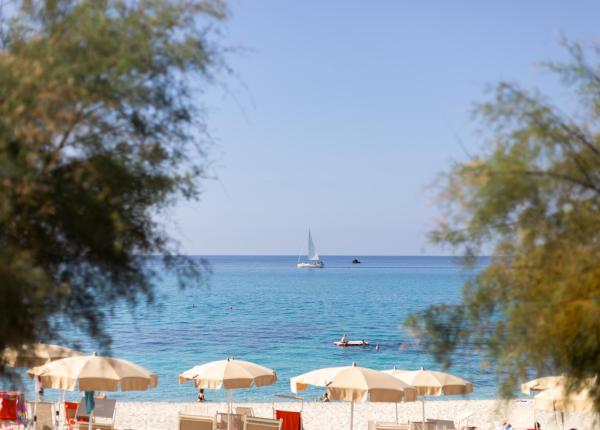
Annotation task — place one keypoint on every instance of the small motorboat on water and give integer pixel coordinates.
(356, 261)
(351, 343)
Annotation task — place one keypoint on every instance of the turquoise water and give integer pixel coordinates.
(264, 309)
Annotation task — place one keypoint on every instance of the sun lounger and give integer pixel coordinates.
(103, 417)
(418, 425)
(70, 411)
(196, 422)
(290, 420)
(43, 415)
(242, 410)
(254, 423)
(391, 426)
(443, 424)
(223, 419)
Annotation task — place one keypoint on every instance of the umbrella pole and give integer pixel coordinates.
(423, 412)
(91, 417)
(229, 408)
(396, 412)
(351, 414)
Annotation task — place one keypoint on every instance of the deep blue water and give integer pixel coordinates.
(264, 309)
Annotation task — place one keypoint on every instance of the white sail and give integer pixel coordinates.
(312, 251)
(313, 261)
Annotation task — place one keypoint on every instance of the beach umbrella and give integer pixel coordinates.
(94, 373)
(354, 383)
(229, 374)
(540, 384)
(317, 378)
(36, 354)
(432, 383)
(557, 399)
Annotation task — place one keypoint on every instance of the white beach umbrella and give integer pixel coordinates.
(229, 374)
(353, 383)
(94, 373)
(432, 383)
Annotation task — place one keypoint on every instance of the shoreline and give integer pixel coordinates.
(487, 414)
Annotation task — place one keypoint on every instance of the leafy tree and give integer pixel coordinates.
(533, 196)
(99, 132)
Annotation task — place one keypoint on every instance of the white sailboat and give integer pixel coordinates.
(313, 261)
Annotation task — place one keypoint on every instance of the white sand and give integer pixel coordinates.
(336, 415)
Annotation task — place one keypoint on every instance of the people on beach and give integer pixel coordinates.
(506, 426)
(325, 397)
(201, 396)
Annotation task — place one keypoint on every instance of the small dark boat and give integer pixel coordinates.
(356, 261)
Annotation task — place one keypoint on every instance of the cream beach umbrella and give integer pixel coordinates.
(316, 378)
(36, 354)
(432, 383)
(353, 383)
(557, 399)
(94, 373)
(229, 374)
(540, 384)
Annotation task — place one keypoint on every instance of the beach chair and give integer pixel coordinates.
(255, 423)
(223, 420)
(245, 411)
(8, 411)
(70, 411)
(391, 426)
(44, 417)
(419, 425)
(290, 420)
(196, 422)
(443, 424)
(103, 417)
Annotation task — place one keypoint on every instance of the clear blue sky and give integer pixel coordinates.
(344, 112)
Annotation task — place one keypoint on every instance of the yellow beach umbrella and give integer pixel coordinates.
(229, 374)
(432, 383)
(36, 354)
(354, 383)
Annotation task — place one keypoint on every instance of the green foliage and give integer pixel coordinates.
(98, 134)
(533, 196)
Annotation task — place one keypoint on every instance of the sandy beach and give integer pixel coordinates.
(335, 415)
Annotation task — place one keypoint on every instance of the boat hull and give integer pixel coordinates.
(352, 343)
(316, 264)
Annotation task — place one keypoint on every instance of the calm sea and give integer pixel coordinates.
(263, 309)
